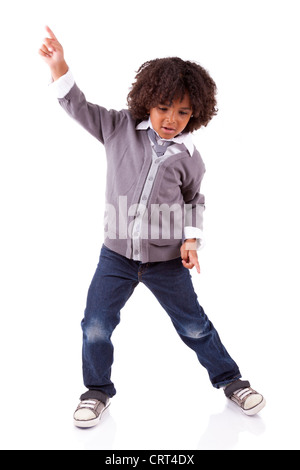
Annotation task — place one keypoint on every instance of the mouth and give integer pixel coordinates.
(168, 130)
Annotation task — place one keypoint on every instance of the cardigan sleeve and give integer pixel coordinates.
(97, 120)
(194, 210)
(194, 205)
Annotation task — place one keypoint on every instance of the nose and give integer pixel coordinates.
(171, 116)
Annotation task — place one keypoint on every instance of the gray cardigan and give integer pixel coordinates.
(174, 201)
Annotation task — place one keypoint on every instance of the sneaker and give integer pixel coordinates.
(89, 411)
(248, 400)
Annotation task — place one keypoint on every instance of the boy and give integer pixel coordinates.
(154, 215)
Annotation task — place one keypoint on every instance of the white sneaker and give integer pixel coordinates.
(248, 400)
(89, 412)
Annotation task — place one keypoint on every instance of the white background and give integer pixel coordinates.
(52, 199)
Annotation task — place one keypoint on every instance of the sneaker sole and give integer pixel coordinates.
(92, 422)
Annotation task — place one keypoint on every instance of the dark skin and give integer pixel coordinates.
(166, 119)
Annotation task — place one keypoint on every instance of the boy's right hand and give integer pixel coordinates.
(53, 54)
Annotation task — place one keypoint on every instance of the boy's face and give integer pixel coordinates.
(168, 120)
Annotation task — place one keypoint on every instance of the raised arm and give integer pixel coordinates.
(97, 120)
(53, 54)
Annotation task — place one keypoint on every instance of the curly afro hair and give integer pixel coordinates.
(160, 81)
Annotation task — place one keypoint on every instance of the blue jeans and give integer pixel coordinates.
(114, 282)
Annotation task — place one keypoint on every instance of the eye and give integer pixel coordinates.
(183, 113)
(162, 108)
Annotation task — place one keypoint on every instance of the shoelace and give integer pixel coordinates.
(88, 404)
(243, 393)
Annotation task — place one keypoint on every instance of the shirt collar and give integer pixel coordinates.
(185, 138)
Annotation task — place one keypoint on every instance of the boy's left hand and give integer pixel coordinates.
(189, 254)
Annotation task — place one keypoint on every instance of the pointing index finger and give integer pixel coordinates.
(50, 32)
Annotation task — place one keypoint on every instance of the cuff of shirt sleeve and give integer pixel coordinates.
(63, 85)
(194, 232)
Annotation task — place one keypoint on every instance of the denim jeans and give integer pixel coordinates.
(114, 282)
